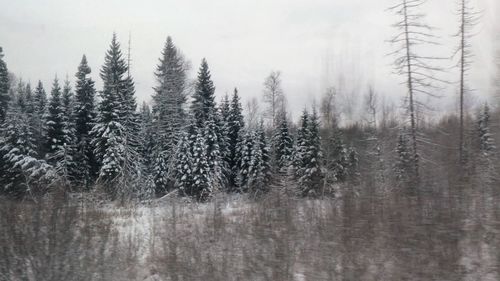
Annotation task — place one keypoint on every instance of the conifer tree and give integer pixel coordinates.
(486, 142)
(310, 172)
(169, 115)
(403, 167)
(353, 168)
(4, 87)
(203, 104)
(235, 126)
(21, 172)
(21, 96)
(40, 99)
(39, 115)
(301, 144)
(84, 120)
(55, 123)
(202, 186)
(245, 164)
(29, 100)
(487, 166)
(283, 145)
(264, 173)
(117, 123)
(68, 105)
(169, 97)
(183, 166)
(214, 149)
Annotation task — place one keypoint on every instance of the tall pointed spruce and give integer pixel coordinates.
(84, 118)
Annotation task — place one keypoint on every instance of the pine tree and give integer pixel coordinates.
(283, 145)
(84, 120)
(203, 104)
(4, 87)
(55, 123)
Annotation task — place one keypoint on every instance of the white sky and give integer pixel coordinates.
(310, 41)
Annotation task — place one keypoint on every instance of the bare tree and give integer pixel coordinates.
(328, 108)
(274, 96)
(253, 112)
(371, 106)
(412, 33)
(468, 19)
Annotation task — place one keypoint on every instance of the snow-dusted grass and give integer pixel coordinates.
(276, 237)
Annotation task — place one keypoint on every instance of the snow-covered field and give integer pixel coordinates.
(274, 238)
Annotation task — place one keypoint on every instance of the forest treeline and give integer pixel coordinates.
(79, 139)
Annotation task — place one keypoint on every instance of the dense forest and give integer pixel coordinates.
(80, 139)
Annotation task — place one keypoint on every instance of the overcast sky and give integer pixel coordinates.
(311, 41)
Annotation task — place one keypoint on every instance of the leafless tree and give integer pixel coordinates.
(412, 34)
(371, 107)
(328, 109)
(468, 20)
(273, 96)
(253, 112)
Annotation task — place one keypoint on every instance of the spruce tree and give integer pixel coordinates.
(84, 120)
(244, 151)
(169, 116)
(353, 168)
(54, 123)
(310, 172)
(214, 149)
(203, 104)
(29, 100)
(169, 97)
(487, 168)
(338, 158)
(283, 145)
(40, 99)
(21, 96)
(235, 126)
(264, 175)
(486, 141)
(403, 167)
(202, 186)
(4, 87)
(21, 171)
(117, 125)
(301, 145)
(39, 115)
(183, 166)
